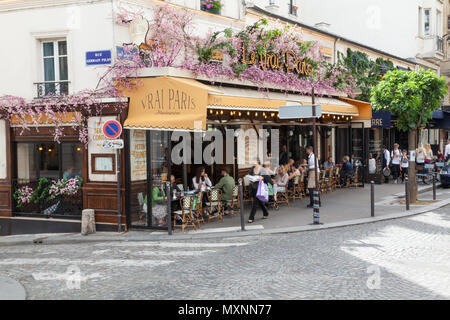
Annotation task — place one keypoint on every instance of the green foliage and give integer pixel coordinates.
(411, 96)
(367, 73)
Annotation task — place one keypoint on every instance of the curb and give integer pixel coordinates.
(165, 237)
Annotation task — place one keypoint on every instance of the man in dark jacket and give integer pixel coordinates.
(347, 170)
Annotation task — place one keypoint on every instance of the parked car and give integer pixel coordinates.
(445, 176)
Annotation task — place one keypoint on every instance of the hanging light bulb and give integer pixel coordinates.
(221, 111)
(248, 113)
(256, 114)
(210, 111)
(239, 114)
(217, 112)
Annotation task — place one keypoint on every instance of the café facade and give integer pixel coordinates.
(166, 101)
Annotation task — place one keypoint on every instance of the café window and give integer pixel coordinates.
(48, 160)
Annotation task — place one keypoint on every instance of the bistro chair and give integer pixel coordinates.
(331, 177)
(322, 182)
(282, 195)
(246, 190)
(294, 192)
(301, 185)
(214, 205)
(353, 180)
(337, 178)
(187, 220)
(234, 203)
(197, 208)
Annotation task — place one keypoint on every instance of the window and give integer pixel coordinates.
(426, 24)
(292, 7)
(48, 160)
(448, 23)
(438, 23)
(55, 68)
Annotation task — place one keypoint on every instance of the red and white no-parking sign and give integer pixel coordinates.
(112, 129)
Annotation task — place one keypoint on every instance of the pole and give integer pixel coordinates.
(434, 186)
(406, 193)
(169, 208)
(316, 211)
(241, 204)
(119, 211)
(372, 199)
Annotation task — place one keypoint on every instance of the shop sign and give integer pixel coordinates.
(286, 60)
(300, 111)
(94, 58)
(112, 144)
(381, 119)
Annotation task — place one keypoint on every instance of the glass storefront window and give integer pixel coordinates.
(48, 160)
(159, 141)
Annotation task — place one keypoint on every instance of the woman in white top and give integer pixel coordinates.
(404, 165)
(420, 154)
(428, 153)
(396, 156)
(280, 181)
(201, 180)
(372, 164)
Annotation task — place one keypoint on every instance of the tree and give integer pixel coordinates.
(411, 97)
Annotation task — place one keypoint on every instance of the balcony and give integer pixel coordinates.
(52, 88)
(430, 48)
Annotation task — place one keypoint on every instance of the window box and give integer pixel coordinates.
(211, 6)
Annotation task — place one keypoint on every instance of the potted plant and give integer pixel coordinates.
(212, 6)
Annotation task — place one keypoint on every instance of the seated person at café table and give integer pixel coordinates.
(280, 182)
(226, 184)
(329, 163)
(174, 191)
(159, 207)
(201, 180)
(347, 170)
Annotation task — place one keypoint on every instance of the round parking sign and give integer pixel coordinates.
(112, 129)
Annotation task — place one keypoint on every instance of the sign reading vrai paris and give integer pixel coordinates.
(167, 103)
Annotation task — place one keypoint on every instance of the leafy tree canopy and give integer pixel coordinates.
(411, 96)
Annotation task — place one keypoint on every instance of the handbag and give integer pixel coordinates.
(263, 192)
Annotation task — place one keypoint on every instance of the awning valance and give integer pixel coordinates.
(247, 99)
(167, 103)
(364, 108)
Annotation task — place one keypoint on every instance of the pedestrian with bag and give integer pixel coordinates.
(258, 176)
(395, 156)
(386, 160)
(312, 171)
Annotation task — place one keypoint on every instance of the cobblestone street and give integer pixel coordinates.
(406, 258)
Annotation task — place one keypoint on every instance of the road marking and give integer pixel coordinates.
(173, 244)
(172, 253)
(103, 262)
(226, 229)
(433, 219)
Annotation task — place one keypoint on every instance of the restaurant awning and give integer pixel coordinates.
(167, 103)
(364, 108)
(247, 99)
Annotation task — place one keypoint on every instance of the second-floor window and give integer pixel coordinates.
(293, 7)
(426, 22)
(55, 68)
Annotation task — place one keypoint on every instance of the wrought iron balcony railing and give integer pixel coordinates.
(52, 88)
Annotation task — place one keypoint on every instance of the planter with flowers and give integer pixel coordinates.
(212, 6)
(48, 197)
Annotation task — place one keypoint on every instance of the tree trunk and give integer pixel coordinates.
(412, 187)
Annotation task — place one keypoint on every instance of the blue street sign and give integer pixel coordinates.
(94, 58)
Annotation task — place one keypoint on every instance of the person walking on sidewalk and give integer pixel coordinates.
(385, 162)
(404, 165)
(396, 156)
(312, 171)
(258, 173)
(447, 151)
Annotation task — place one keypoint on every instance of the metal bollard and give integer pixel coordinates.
(169, 208)
(372, 199)
(406, 193)
(434, 186)
(241, 205)
(316, 210)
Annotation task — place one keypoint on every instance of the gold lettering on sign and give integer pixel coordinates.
(171, 101)
(272, 61)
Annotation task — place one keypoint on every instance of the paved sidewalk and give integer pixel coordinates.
(342, 207)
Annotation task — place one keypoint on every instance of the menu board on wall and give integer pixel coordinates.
(138, 155)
